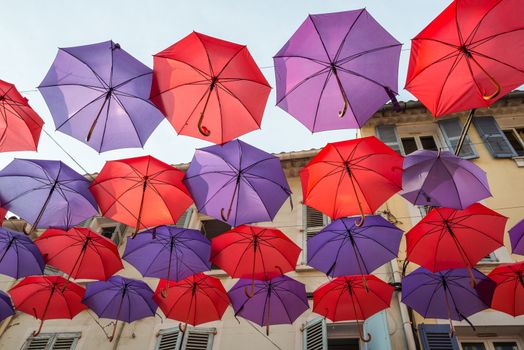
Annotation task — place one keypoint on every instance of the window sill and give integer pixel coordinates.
(519, 161)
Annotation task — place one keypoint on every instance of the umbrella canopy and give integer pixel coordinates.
(46, 193)
(19, 256)
(237, 183)
(195, 300)
(441, 179)
(351, 177)
(509, 291)
(99, 94)
(169, 252)
(209, 88)
(141, 192)
(120, 299)
(337, 70)
(343, 248)
(20, 126)
(446, 294)
(516, 236)
(347, 298)
(48, 298)
(280, 300)
(6, 306)
(468, 57)
(80, 252)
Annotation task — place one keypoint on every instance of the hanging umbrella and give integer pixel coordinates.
(343, 248)
(254, 252)
(446, 294)
(80, 252)
(120, 299)
(337, 70)
(509, 290)
(3, 213)
(48, 298)
(441, 179)
(169, 252)
(351, 177)
(209, 88)
(194, 300)
(6, 306)
(19, 256)
(448, 238)
(46, 193)
(99, 94)
(141, 192)
(347, 298)
(20, 126)
(516, 236)
(237, 183)
(280, 300)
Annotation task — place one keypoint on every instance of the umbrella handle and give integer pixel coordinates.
(361, 333)
(37, 332)
(163, 292)
(182, 328)
(251, 293)
(472, 281)
(202, 129)
(360, 222)
(491, 79)
(113, 334)
(224, 217)
(92, 128)
(393, 98)
(342, 112)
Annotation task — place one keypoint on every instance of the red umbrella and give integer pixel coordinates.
(347, 298)
(195, 300)
(141, 192)
(449, 238)
(80, 252)
(254, 252)
(509, 292)
(20, 126)
(47, 298)
(209, 88)
(351, 177)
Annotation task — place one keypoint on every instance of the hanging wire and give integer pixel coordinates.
(263, 334)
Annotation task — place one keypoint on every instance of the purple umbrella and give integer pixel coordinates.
(19, 256)
(169, 252)
(447, 294)
(441, 179)
(99, 94)
(6, 306)
(516, 236)
(280, 300)
(337, 70)
(237, 183)
(46, 193)
(120, 299)
(342, 248)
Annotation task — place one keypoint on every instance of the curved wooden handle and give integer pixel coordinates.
(225, 218)
(362, 218)
(361, 334)
(37, 332)
(202, 129)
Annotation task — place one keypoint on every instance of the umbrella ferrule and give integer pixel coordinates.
(213, 83)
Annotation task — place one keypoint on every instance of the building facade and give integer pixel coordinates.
(495, 143)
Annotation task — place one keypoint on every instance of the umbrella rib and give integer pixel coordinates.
(240, 258)
(314, 60)
(193, 111)
(115, 87)
(80, 110)
(442, 59)
(351, 72)
(328, 76)
(459, 33)
(360, 54)
(480, 42)
(283, 305)
(498, 61)
(320, 38)
(257, 193)
(453, 66)
(302, 82)
(339, 50)
(239, 100)
(228, 182)
(332, 172)
(204, 75)
(220, 112)
(115, 96)
(430, 300)
(479, 23)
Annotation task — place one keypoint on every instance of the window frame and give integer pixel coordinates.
(418, 142)
(52, 337)
(517, 136)
(489, 343)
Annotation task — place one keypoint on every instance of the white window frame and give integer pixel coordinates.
(52, 337)
(516, 134)
(489, 342)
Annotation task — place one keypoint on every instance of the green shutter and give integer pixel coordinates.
(451, 130)
(436, 337)
(493, 137)
(315, 335)
(388, 135)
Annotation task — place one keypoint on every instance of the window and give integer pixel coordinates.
(481, 344)
(192, 339)
(516, 140)
(493, 137)
(113, 232)
(413, 143)
(388, 134)
(52, 271)
(491, 258)
(451, 129)
(436, 337)
(52, 341)
(342, 336)
(343, 344)
(184, 220)
(313, 221)
(213, 228)
(314, 335)
(409, 144)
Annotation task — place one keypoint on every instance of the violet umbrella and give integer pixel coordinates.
(120, 299)
(46, 193)
(19, 256)
(441, 179)
(447, 294)
(516, 236)
(99, 94)
(6, 306)
(237, 183)
(280, 300)
(169, 252)
(337, 70)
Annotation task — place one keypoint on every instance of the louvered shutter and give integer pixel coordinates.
(312, 221)
(169, 339)
(63, 342)
(315, 335)
(451, 130)
(198, 339)
(58, 341)
(436, 337)
(388, 135)
(493, 137)
(37, 343)
(183, 220)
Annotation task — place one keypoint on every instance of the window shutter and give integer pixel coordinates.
(169, 339)
(312, 221)
(183, 220)
(315, 335)
(37, 343)
(198, 339)
(436, 337)
(388, 135)
(377, 326)
(56, 341)
(63, 342)
(451, 130)
(493, 137)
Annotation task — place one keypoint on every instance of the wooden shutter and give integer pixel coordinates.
(436, 337)
(312, 222)
(388, 135)
(451, 130)
(377, 326)
(55, 341)
(183, 220)
(37, 343)
(315, 335)
(169, 339)
(198, 339)
(493, 137)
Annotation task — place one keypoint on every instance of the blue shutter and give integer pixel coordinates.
(377, 326)
(493, 137)
(169, 339)
(451, 130)
(315, 335)
(436, 337)
(388, 135)
(198, 338)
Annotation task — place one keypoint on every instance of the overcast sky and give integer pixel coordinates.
(32, 30)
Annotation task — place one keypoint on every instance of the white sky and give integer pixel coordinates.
(32, 30)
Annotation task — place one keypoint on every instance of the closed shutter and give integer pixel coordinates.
(315, 335)
(37, 343)
(388, 135)
(377, 326)
(64, 343)
(198, 339)
(312, 221)
(169, 339)
(451, 130)
(493, 137)
(436, 337)
(55, 341)
(183, 220)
